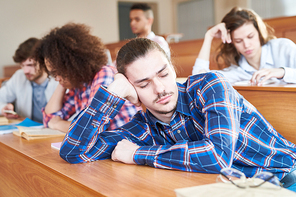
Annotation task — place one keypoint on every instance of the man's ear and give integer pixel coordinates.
(150, 20)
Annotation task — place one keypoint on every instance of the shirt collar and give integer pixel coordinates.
(182, 107)
(151, 35)
(266, 58)
(43, 85)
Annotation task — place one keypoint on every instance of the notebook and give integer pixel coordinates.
(27, 122)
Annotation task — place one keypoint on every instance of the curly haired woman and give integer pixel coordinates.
(78, 61)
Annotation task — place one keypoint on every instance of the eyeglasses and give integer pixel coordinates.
(239, 179)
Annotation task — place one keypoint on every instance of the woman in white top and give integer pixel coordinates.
(249, 50)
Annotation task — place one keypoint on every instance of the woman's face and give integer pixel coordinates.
(246, 41)
(63, 82)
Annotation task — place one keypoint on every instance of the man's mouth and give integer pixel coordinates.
(164, 99)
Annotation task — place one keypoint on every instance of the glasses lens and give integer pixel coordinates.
(267, 177)
(231, 175)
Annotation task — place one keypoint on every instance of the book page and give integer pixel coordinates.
(3, 121)
(13, 123)
(39, 132)
(56, 145)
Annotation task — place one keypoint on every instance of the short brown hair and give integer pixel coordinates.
(135, 49)
(26, 50)
(144, 7)
(73, 53)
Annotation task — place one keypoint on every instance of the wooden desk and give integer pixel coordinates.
(277, 104)
(33, 168)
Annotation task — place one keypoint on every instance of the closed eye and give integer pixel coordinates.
(143, 86)
(164, 75)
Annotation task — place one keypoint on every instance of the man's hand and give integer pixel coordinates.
(9, 107)
(260, 76)
(124, 152)
(123, 88)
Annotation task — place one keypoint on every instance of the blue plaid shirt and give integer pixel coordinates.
(213, 127)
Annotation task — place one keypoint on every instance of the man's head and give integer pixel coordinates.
(24, 56)
(71, 54)
(141, 19)
(149, 70)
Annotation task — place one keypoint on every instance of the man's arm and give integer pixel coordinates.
(87, 139)
(8, 94)
(221, 113)
(84, 141)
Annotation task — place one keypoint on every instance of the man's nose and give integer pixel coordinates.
(158, 86)
(26, 69)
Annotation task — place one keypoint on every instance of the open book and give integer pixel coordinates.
(12, 126)
(30, 133)
(3, 121)
(228, 189)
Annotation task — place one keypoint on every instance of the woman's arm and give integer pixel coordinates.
(218, 31)
(55, 103)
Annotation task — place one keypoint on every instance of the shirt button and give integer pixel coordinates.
(179, 131)
(114, 106)
(108, 103)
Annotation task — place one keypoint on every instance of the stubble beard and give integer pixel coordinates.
(165, 112)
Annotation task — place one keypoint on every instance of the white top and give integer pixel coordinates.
(275, 53)
(161, 41)
(18, 89)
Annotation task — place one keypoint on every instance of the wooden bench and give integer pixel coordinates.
(284, 27)
(277, 105)
(8, 71)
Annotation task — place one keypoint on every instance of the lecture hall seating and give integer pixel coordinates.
(184, 53)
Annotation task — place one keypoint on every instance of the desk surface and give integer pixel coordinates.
(33, 167)
(277, 103)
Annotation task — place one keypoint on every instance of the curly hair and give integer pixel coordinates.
(73, 53)
(26, 50)
(233, 20)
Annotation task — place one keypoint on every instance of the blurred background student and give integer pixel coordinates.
(29, 89)
(249, 50)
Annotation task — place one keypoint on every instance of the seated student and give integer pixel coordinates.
(141, 20)
(249, 49)
(77, 60)
(203, 125)
(29, 88)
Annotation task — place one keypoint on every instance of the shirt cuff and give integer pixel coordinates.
(199, 65)
(145, 155)
(290, 75)
(107, 102)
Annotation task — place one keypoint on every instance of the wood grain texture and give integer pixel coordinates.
(35, 165)
(277, 104)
